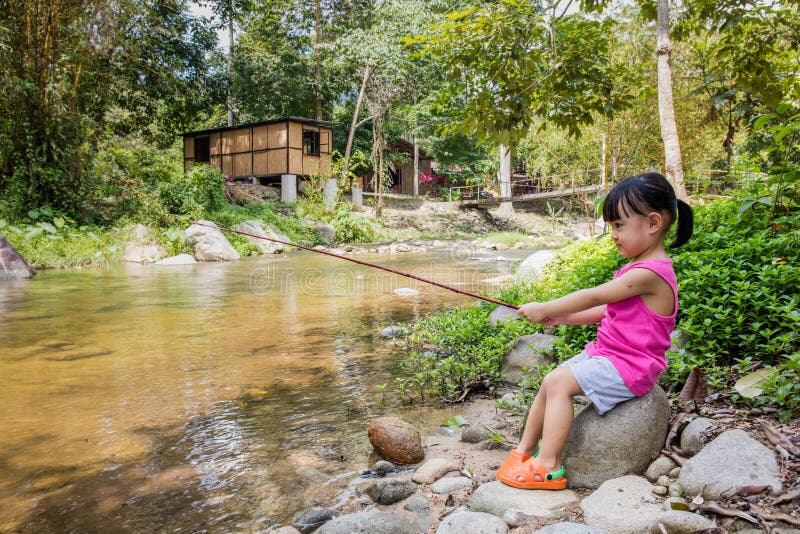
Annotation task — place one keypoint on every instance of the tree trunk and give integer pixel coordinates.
(317, 60)
(346, 166)
(416, 167)
(666, 111)
(230, 70)
(505, 179)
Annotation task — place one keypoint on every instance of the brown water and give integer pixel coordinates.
(216, 397)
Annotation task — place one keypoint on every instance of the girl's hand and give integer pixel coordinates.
(535, 312)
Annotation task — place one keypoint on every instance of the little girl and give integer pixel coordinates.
(636, 311)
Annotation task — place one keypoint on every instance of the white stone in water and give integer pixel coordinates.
(405, 292)
(180, 259)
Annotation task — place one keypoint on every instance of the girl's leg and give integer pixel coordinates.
(533, 425)
(559, 387)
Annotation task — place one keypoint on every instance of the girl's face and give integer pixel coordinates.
(635, 234)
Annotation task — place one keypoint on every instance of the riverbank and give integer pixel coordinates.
(457, 480)
(49, 241)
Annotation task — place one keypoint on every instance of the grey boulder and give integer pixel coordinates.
(528, 351)
(693, 437)
(369, 522)
(466, 522)
(531, 267)
(209, 243)
(12, 265)
(390, 490)
(624, 505)
(497, 499)
(502, 314)
(433, 469)
(570, 528)
(732, 460)
(621, 442)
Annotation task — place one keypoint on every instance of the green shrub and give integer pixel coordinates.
(739, 285)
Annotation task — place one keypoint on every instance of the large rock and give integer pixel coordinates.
(370, 522)
(260, 237)
(466, 522)
(390, 490)
(528, 351)
(12, 265)
(141, 247)
(624, 505)
(503, 313)
(531, 267)
(325, 232)
(678, 522)
(395, 440)
(180, 259)
(451, 484)
(732, 460)
(433, 469)
(209, 243)
(497, 499)
(570, 528)
(308, 520)
(693, 437)
(623, 441)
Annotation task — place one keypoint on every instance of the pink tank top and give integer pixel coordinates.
(633, 337)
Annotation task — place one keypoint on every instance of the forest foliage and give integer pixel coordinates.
(82, 79)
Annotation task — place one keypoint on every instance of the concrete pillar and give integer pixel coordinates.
(506, 208)
(358, 199)
(289, 188)
(329, 193)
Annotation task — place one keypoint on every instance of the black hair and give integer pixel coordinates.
(646, 193)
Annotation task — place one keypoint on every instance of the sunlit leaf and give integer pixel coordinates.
(749, 386)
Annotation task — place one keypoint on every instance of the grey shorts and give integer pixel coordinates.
(599, 380)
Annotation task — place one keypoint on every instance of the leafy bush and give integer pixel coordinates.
(47, 240)
(739, 286)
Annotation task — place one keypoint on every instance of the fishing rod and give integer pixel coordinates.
(365, 263)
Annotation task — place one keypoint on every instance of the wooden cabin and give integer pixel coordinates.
(265, 150)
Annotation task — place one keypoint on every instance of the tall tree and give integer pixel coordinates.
(508, 63)
(673, 164)
(76, 67)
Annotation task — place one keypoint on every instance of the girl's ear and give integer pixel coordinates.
(655, 222)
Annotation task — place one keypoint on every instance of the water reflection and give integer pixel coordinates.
(142, 398)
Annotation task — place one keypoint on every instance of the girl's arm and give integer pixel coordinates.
(634, 282)
(590, 316)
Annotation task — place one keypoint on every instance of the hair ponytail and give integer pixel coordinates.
(685, 224)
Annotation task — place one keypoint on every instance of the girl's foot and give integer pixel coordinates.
(526, 472)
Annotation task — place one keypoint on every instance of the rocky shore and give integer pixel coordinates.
(650, 465)
(732, 483)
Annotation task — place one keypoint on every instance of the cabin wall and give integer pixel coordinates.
(265, 150)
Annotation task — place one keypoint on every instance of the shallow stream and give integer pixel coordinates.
(215, 397)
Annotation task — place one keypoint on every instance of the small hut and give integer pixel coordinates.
(263, 151)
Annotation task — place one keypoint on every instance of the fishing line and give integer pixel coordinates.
(365, 263)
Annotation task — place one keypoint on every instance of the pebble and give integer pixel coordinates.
(664, 480)
(660, 490)
(382, 467)
(451, 484)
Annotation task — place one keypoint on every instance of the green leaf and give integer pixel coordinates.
(456, 422)
(749, 386)
(47, 227)
(762, 120)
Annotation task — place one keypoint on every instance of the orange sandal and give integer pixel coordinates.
(533, 474)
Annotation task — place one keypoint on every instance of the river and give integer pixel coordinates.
(215, 397)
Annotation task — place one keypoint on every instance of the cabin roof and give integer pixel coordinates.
(313, 122)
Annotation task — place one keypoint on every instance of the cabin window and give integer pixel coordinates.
(201, 152)
(311, 142)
